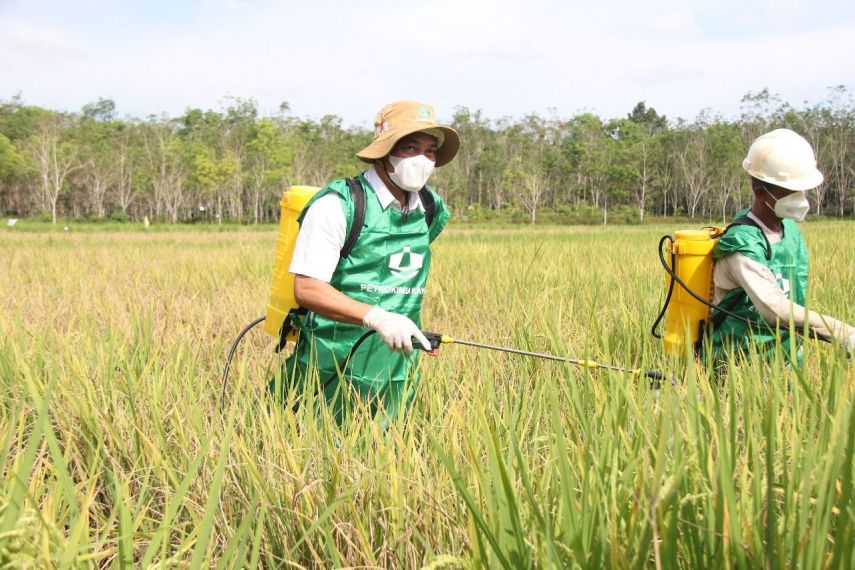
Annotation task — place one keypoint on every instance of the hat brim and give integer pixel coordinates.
(802, 184)
(807, 183)
(381, 147)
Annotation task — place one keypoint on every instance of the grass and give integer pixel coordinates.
(33, 225)
(115, 453)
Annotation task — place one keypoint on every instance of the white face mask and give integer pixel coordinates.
(411, 173)
(792, 207)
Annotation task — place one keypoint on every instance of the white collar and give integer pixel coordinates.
(384, 195)
(772, 235)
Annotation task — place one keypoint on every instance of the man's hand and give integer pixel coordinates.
(849, 344)
(397, 331)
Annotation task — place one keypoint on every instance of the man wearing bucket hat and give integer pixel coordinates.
(761, 269)
(380, 282)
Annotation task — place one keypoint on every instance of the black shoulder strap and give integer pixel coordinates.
(357, 194)
(746, 221)
(429, 204)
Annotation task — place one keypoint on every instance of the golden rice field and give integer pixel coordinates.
(114, 451)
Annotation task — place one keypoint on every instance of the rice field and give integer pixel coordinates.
(115, 451)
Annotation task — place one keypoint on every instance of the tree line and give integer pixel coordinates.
(233, 164)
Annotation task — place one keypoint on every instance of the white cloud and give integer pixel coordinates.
(27, 39)
(674, 23)
(507, 57)
(217, 5)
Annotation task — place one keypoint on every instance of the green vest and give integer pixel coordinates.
(789, 264)
(388, 267)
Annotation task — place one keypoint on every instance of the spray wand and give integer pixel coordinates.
(436, 340)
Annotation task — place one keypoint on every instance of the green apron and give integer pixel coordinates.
(388, 267)
(789, 264)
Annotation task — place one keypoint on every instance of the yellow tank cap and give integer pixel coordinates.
(692, 235)
(298, 195)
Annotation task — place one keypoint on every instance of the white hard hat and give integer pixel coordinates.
(784, 158)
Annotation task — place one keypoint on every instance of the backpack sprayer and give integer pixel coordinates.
(283, 306)
(282, 301)
(691, 266)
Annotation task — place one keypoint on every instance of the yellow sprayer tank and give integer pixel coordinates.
(694, 265)
(282, 290)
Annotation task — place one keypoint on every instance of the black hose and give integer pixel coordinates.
(670, 288)
(335, 374)
(232, 353)
(250, 326)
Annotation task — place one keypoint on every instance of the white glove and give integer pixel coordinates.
(395, 330)
(849, 344)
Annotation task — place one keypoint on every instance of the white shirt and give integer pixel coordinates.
(321, 236)
(739, 271)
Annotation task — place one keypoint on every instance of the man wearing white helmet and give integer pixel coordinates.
(761, 270)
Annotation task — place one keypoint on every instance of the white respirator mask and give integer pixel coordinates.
(411, 173)
(793, 207)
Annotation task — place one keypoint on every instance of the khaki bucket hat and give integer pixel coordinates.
(399, 119)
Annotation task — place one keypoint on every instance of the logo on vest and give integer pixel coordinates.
(784, 283)
(406, 264)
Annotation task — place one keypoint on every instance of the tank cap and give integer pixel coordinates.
(692, 235)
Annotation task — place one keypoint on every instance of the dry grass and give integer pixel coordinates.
(114, 451)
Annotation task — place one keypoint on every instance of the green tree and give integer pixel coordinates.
(592, 149)
(724, 163)
(12, 168)
(269, 158)
(631, 172)
(648, 118)
(127, 155)
(211, 174)
(691, 153)
(321, 150)
(102, 110)
(238, 124)
(759, 112)
(11, 162)
(837, 153)
(100, 146)
(57, 156)
(166, 163)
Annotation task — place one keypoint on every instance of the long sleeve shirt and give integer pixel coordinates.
(772, 302)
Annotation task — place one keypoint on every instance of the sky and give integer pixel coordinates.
(507, 58)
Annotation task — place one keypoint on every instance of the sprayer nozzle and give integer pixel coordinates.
(655, 379)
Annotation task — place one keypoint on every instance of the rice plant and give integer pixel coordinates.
(117, 453)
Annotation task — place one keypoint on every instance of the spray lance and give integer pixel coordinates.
(436, 340)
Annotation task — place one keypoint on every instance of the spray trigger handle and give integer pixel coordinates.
(434, 339)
